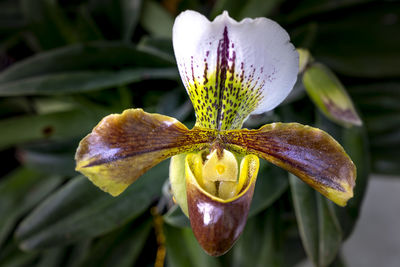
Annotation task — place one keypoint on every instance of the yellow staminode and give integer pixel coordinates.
(220, 176)
(218, 169)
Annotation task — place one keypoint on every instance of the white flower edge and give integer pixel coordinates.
(262, 50)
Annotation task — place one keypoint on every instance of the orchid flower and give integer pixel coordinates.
(230, 70)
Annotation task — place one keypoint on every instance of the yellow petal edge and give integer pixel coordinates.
(124, 146)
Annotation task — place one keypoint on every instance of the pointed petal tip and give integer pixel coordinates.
(124, 146)
(224, 17)
(97, 175)
(340, 197)
(353, 120)
(309, 153)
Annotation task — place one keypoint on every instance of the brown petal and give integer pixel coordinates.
(124, 146)
(309, 153)
(218, 223)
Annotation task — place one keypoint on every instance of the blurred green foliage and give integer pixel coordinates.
(66, 64)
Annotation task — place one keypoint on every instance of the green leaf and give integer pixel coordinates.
(184, 250)
(271, 183)
(330, 236)
(79, 210)
(118, 18)
(82, 81)
(46, 105)
(163, 45)
(348, 42)
(355, 143)
(130, 17)
(48, 22)
(82, 68)
(176, 217)
(157, 46)
(52, 257)
(55, 157)
(318, 226)
(292, 247)
(11, 17)
(86, 58)
(12, 256)
(21, 191)
(14, 106)
(262, 234)
(86, 27)
(156, 20)
(72, 123)
(77, 253)
(170, 105)
(329, 95)
(177, 254)
(53, 26)
(305, 206)
(119, 248)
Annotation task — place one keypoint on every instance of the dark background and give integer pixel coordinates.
(66, 64)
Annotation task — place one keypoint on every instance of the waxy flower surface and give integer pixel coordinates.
(230, 70)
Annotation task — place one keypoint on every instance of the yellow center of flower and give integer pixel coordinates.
(220, 169)
(219, 174)
(222, 174)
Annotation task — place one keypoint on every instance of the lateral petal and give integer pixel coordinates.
(307, 152)
(124, 146)
(232, 69)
